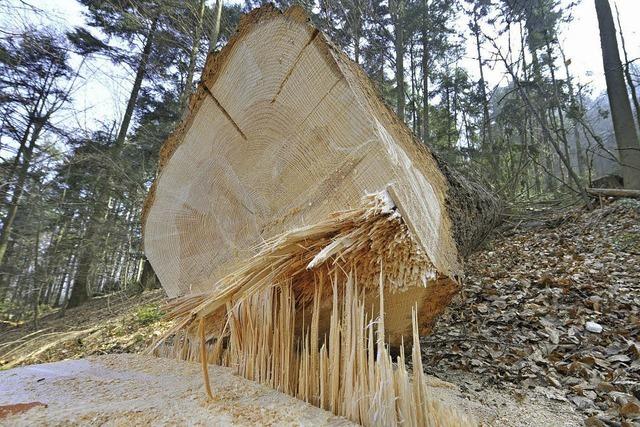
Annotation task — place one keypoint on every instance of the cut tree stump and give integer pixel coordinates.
(283, 131)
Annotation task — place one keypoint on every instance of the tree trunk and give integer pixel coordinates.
(487, 130)
(556, 96)
(397, 15)
(577, 107)
(623, 123)
(425, 74)
(193, 56)
(80, 291)
(137, 84)
(148, 278)
(215, 29)
(305, 148)
(7, 223)
(627, 70)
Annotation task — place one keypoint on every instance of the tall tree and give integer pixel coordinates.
(627, 69)
(623, 123)
(35, 80)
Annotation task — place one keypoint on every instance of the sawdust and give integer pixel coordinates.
(139, 390)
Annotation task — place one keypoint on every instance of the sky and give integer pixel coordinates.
(102, 98)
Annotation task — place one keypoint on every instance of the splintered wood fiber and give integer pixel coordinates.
(304, 317)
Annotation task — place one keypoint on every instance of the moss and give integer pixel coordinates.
(148, 314)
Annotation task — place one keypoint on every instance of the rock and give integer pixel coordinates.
(594, 327)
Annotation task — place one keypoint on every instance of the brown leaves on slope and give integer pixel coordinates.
(521, 318)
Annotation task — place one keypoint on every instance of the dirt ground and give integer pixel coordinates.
(512, 350)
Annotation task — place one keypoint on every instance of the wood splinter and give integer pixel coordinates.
(203, 359)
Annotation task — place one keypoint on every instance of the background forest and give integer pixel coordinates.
(72, 188)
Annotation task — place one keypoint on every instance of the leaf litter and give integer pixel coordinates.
(521, 320)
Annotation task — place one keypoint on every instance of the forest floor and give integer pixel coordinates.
(520, 322)
(115, 323)
(514, 342)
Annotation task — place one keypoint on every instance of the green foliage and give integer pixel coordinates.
(148, 314)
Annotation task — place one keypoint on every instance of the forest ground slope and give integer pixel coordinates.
(520, 322)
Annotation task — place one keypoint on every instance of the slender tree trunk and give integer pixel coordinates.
(544, 123)
(576, 107)
(137, 84)
(623, 123)
(558, 102)
(487, 131)
(215, 29)
(540, 116)
(425, 73)
(37, 286)
(397, 18)
(415, 120)
(79, 292)
(193, 56)
(356, 25)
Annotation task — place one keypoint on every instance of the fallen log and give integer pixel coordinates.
(292, 208)
(284, 130)
(614, 192)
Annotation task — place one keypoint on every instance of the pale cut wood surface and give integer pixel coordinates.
(283, 131)
(134, 390)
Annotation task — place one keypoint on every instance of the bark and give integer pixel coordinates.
(148, 278)
(614, 192)
(623, 123)
(80, 291)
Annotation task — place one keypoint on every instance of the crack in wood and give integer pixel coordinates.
(224, 111)
(313, 110)
(314, 34)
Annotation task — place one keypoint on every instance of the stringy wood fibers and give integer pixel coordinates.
(306, 317)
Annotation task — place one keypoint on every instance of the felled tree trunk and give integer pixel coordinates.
(283, 132)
